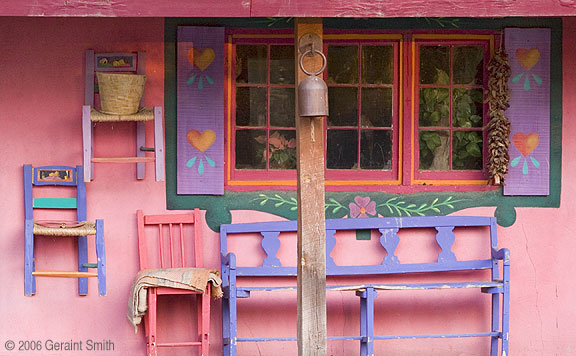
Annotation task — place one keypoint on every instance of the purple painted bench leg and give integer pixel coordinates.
(367, 321)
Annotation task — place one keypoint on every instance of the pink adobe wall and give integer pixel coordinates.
(41, 93)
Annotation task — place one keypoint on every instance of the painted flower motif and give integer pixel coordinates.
(362, 207)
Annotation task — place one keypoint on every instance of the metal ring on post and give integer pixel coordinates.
(313, 52)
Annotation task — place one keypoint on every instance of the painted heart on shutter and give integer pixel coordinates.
(526, 143)
(528, 57)
(203, 58)
(201, 140)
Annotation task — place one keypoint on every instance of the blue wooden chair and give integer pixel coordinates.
(61, 176)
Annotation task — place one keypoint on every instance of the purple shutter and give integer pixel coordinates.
(529, 112)
(200, 110)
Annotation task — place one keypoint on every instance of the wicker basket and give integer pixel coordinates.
(120, 94)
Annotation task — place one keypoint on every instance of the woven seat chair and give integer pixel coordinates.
(61, 176)
(119, 63)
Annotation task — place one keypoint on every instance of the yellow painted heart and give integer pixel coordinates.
(528, 57)
(526, 143)
(201, 140)
(203, 58)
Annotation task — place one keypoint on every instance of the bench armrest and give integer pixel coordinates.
(229, 260)
(501, 254)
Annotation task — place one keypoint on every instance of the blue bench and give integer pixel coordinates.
(497, 285)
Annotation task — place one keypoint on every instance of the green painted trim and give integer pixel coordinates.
(337, 203)
(55, 203)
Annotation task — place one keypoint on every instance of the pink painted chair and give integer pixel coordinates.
(167, 248)
(119, 63)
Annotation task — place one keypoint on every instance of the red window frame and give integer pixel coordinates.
(404, 175)
(451, 176)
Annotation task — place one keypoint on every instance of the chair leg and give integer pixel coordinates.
(101, 257)
(204, 322)
(29, 279)
(158, 144)
(140, 142)
(151, 318)
(87, 143)
(82, 260)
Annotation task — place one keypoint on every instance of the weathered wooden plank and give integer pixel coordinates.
(412, 8)
(127, 8)
(293, 8)
(311, 262)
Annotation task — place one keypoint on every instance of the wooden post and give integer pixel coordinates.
(311, 219)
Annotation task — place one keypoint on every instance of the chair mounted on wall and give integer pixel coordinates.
(119, 63)
(62, 177)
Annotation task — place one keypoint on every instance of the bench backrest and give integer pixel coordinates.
(389, 239)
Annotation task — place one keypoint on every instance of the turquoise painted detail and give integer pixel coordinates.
(525, 167)
(200, 83)
(535, 162)
(55, 203)
(209, 80)
(210, 162)
(515, 161)
(517, 78)
(191, 80)
(201, 167)
(537, 79)
(191, 162)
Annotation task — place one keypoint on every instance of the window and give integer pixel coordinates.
(405, 109)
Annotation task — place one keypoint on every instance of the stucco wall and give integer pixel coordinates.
(41, 93)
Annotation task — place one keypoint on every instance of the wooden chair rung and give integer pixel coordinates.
(64, 274)
(122, 159)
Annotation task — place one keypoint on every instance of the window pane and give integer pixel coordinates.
(250, 106)
(343, 106)
(467, 108)
(434, 150)
(250, 149)
(468, 64)
(376, 107)
(377, 64)
(434, 107)
(282, 64)
(434, 65)
(251, 64)
(283, 149)
(342, 149)
(282, 107)
(467, 150)
(376, 149)
(343, 64)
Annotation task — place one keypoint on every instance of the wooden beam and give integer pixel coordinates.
(311, 218)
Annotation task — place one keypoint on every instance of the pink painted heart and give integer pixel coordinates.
(528, 57)
(526, 143)
(201, 140)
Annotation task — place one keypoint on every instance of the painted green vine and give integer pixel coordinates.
(362, 206)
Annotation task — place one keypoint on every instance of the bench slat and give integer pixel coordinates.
(412, 286)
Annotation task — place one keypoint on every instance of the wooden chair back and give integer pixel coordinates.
(63, 176)
(169, 242)
(131, 62)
